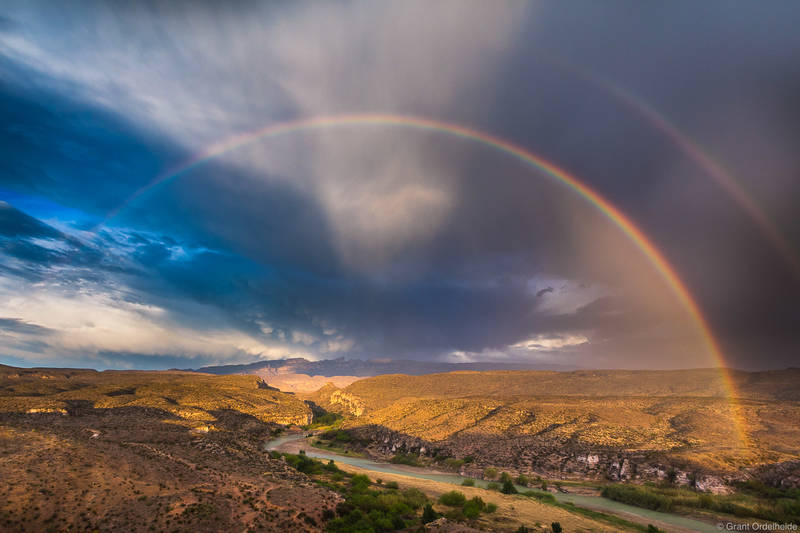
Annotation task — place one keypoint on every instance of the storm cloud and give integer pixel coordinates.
(385, 241)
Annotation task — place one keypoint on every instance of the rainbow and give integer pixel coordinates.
(625, 224)
(713, 169)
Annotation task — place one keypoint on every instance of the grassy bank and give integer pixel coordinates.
(751, 500)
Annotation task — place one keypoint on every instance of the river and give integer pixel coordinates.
(291, 444)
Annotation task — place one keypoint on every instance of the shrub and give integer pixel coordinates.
(410, 459)
(453, 498)
(415, 498)
(490, 507)
(541, 496)
(508, 487)
(343, 436)
(493, 486)
(468, 482)
(505, 476)
(359, 483)
(556, 527)
(473, 507)
(453, 463)
(523, 480)
(392, 485)
(428, 514)
(523, 529)
(490, 473)
(639, 497)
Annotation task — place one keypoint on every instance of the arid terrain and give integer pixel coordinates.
(148, 451)
(618, 425)
(82, 450)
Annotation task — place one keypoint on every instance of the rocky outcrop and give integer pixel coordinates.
(785, 475)
(565, 461)
(349, 403)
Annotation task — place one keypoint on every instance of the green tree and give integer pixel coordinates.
(508, 487)
(428, 514)
(556, 527)
(453, 498)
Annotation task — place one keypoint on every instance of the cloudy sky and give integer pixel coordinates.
(367, 241)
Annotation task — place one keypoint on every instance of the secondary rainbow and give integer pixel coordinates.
(627, 226)
(712, 168)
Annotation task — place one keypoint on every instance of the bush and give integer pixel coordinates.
(327, 419)
(508, 487)
(453, 463)
(523, 480)
(493, 486)
(453, 498)
(556, 527)
(490, 507)
(474, 507)
(505, 476)
(359, 483)
(428, 514)
(639, 497)
(541, 496)
(490, 473)
(392, 485)
(342, 436)
(410, 459)
(468, 482)
(415, 498)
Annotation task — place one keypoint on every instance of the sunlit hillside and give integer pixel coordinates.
(553, 422)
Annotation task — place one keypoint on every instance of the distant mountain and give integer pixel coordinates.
(364, 367)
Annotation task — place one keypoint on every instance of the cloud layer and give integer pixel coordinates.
(383, 241)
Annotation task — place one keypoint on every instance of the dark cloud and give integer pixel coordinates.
(20, 326)
(393, 242)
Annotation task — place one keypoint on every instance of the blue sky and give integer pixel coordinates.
(382, 242)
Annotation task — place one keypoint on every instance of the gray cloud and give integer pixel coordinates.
(392, 242)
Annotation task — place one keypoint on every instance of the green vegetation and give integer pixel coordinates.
(752, 500)
(490, 473)
(327, 419)
(617, 522)
(428, 514)
(338, 441)
(544, 497)
(508, 487)
(474, 507)
(370, 510)
(463, 508)
(453, 498)
(469, 482)
(556, 527)
(410, 459)
(635, 495)
(365, 509)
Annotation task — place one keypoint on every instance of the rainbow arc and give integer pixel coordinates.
(614, 214)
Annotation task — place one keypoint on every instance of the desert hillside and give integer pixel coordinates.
(148, 451)
(192, 398)
(618, 424)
